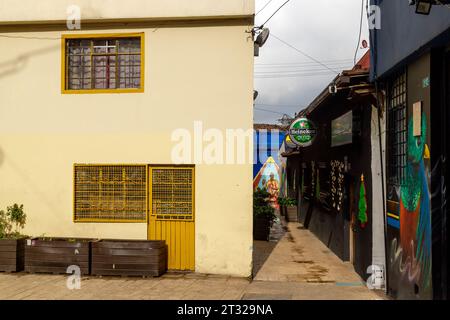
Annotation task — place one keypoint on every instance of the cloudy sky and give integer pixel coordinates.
(326, 30)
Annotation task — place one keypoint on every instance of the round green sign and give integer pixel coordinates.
(302, 132)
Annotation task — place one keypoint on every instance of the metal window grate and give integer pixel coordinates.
(110, 193)
(107, 63)
(172, 193)
(397, 131)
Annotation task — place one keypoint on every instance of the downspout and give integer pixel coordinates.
(386, 276)
(373, 44)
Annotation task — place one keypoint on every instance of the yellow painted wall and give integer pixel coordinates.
(191, 73)
(56, 10)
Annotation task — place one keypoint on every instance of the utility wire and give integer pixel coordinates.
(304, 54)
(28, 37)
(275, 13)
(360, 31)
(264, 7)
(278, 105)
(270, 111)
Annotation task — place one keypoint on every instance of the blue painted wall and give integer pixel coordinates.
(405, 35)
(266, 144)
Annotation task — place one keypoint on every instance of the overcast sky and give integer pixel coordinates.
(326, 30)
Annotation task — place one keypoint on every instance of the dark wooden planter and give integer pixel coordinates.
(129, 258)
(283, 210)
(261, 229)
(11, 255)
(55, 255)
(292, 215)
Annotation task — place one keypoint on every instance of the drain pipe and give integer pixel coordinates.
(386, 277)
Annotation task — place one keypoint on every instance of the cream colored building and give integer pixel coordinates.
(87, 116)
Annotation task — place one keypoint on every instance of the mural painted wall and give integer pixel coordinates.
(268, 169)
(409, 213)
(409, 201)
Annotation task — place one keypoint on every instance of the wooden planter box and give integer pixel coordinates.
(129, 258)
(261, 229)
(55, 255)
(292, 215)
(11, 255)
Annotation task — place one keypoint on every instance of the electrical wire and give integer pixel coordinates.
(304, 54)
(263, 7)
(329, 62)
(28, 37)
(274, 13)
(360, 31)
(270, 111)
(278, 105)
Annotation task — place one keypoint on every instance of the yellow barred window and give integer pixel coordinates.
(102, 63)
(111, 193)
(172, 193)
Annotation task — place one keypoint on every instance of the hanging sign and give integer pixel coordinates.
(302, 132)
(289, 143)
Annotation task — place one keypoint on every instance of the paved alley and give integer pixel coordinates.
(296, 267)
(300, 266)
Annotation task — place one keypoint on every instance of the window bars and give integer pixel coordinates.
(103, 63)
(397, 130)
(172, 193)
(112, 193)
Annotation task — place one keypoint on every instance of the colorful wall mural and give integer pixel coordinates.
(409, 214)
(268, 178)
(269, 167)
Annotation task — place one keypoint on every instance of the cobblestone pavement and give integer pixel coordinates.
(298, 267)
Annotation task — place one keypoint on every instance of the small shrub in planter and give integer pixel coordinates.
(11, 241)
(282, 204)
(291, 207)
(55, 255)
(263, 215)
(129, 258)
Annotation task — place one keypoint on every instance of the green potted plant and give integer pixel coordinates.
(263, 215)
(282, 204)
(291, 208)
(12, 242)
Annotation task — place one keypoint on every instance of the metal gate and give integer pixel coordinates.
(171, 216)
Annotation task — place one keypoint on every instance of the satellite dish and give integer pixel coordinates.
(262, 37)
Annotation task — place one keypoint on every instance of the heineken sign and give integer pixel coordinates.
(302, 132)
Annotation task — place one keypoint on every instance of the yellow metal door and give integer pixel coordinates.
(171, 216)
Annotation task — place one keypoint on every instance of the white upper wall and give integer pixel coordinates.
(26, 11)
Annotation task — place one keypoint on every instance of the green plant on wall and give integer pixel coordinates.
(362, 204)
(12, 221)
(261, 206)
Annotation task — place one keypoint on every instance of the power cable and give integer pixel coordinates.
(270, 111)
(303, 53)
(263, 7)
(274, 13)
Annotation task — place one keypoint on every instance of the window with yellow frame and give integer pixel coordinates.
(110, 193)
(103, 63)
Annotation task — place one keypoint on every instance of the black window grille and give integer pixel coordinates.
(397, 130)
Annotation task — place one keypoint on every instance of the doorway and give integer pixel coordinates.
(171, 213)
